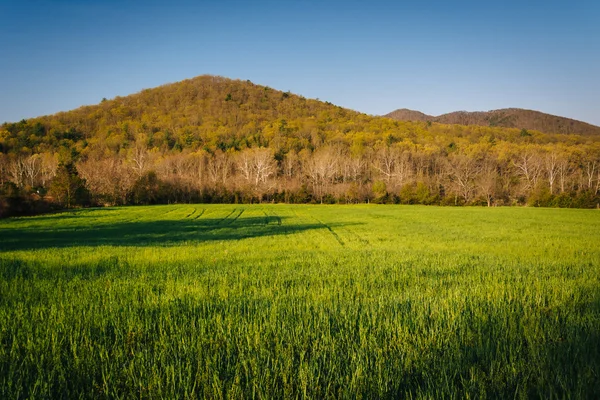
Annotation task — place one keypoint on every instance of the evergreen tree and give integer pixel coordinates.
(67, 188)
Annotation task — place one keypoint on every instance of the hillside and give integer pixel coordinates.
(404, 114)
(508, 118)
(211, 112)
(207, 111)
(214, 139)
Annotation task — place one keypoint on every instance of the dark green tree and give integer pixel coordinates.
(67, 188)
(148, 189)
(11, 200)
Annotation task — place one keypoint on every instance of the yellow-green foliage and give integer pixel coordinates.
(213, 112)
(210, 301)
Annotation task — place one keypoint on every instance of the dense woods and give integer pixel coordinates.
(212, 139)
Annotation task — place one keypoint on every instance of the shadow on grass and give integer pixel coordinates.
(149, 232)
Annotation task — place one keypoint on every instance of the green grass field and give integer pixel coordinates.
(229, 301)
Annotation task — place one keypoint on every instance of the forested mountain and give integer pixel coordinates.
(507, 118)
(404, 114)
(214, 139)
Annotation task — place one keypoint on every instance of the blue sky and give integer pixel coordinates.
(375, 56)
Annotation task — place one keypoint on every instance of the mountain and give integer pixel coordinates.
(404, 114)
(507, 118)
(213, 139)
(211, 112)
(203, 112)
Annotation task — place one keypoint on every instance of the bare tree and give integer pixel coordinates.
(529, 167)
(356, 168)
(320, 167)
(49, 165)
(199, 165)
(264, 165)
(564, 169)
(244, 164)
(138, 155)
(422, 164)
(256, 166)
(404, 169)
(179, 167)
(32, 167)
(551, 163)
(487, 180)
(590, 169)
(463, 169)
(290, 164)
(385, 162)
(219, 167)
(110, 179)
(16, 171)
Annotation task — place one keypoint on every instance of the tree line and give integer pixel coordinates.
(477, 174)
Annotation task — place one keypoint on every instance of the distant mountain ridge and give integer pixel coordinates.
(507, 118)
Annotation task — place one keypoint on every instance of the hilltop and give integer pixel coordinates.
(206, 111)
(507, 118)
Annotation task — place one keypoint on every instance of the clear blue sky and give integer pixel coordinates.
(372, 56)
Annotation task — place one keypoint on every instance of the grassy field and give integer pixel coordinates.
(229, 301)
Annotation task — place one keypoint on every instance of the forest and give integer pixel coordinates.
(216, 140)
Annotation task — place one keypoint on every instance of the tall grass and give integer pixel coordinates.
(224, 301)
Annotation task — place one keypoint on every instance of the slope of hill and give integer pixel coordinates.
(508, 118)
(404, 114)
(211, 112)
(206, 111)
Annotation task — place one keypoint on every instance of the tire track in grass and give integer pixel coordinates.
(200, 214)
(252, 216)
(168, 211)
(160, 216)
(134, 215)
(231, 221)
(157, 213)
(144, 213)
(209, 210)
(182, 212)
(209, 226)
(190, 214)
(333, 233)
(219, 222)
